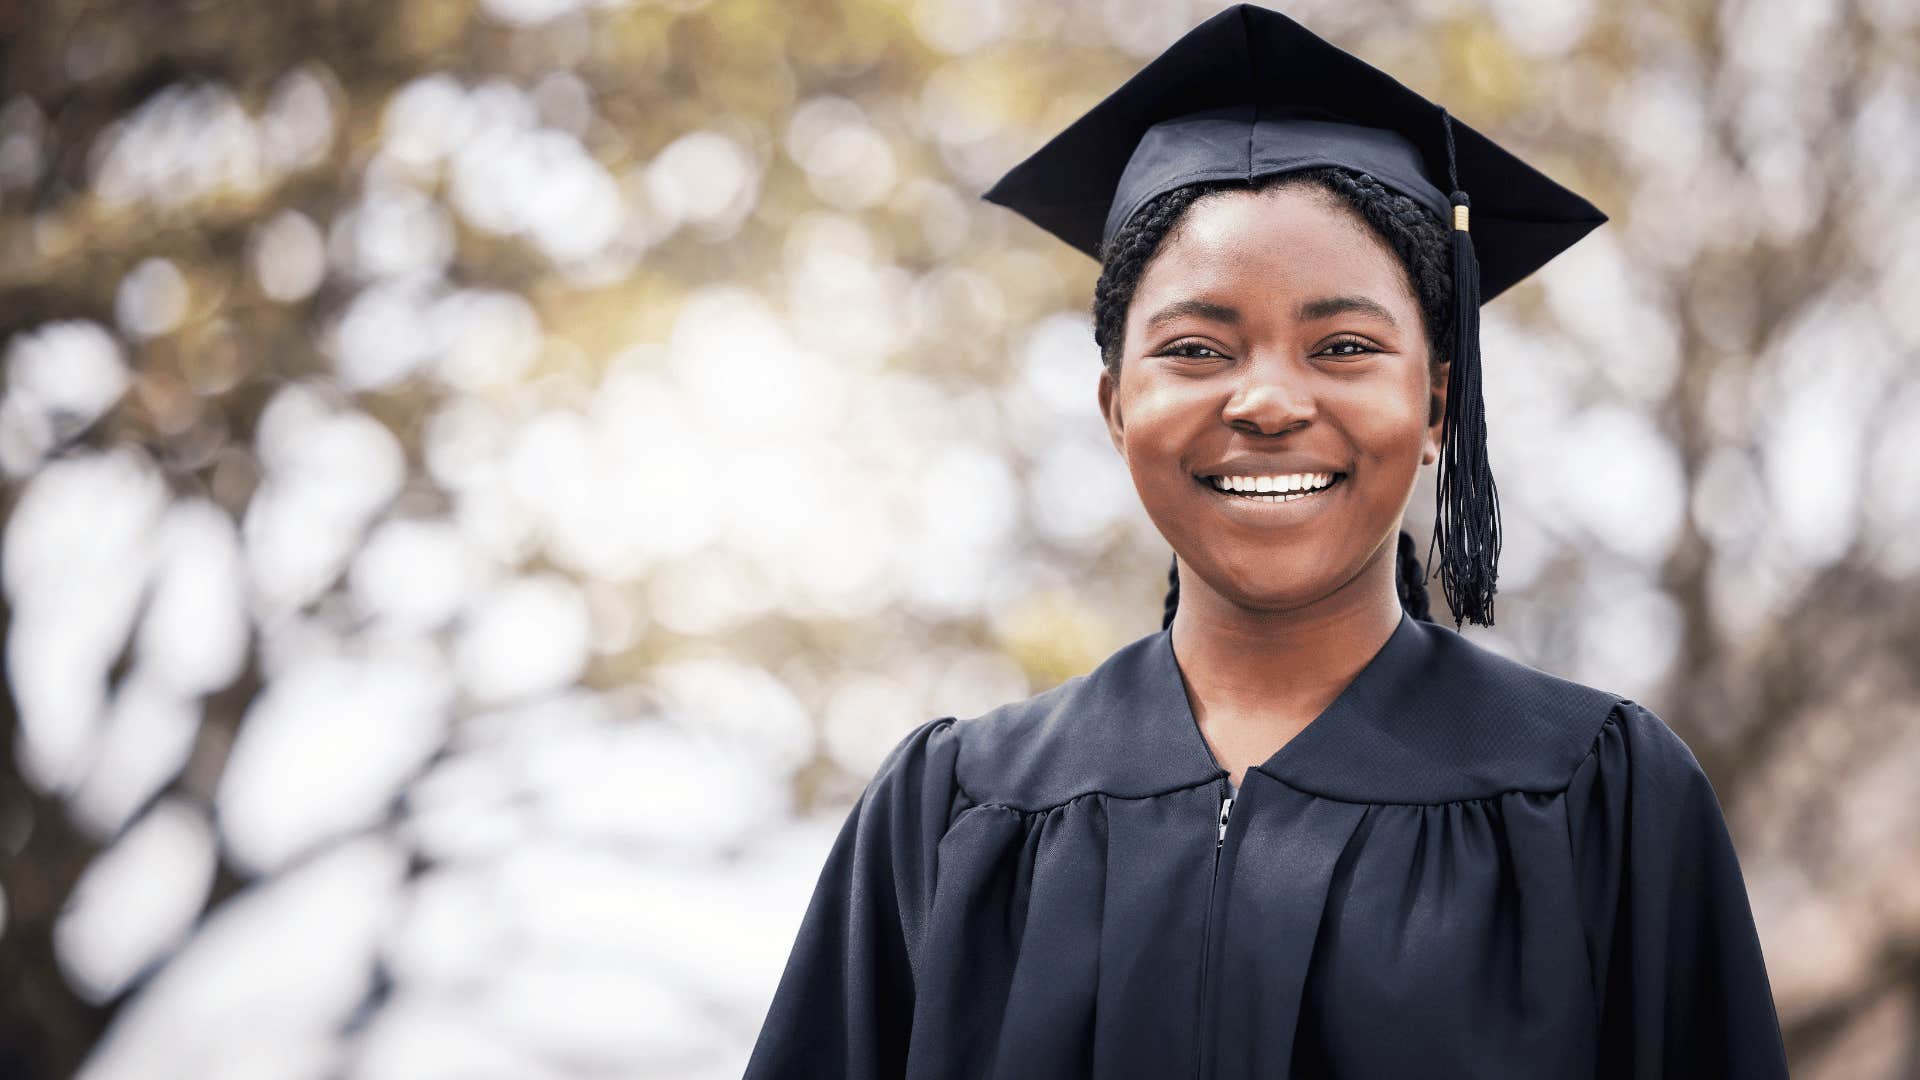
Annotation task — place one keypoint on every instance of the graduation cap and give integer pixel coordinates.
(1250, 93)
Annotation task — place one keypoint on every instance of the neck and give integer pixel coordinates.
(1256, 677)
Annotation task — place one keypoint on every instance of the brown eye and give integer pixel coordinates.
(1347, 348)
(1192, 350)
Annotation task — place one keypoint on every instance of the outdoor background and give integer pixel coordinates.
(485, 482)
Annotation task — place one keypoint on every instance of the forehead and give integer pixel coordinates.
(1285, 242)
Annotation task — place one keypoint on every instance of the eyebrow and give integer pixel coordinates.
(1204, 309)
(1318, 308)
(1328, 306)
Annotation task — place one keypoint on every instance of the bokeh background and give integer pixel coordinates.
(487, 480)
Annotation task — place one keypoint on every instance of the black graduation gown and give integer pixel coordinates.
(1464, 867)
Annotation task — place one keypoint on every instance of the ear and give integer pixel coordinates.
(1436, 414)
(1110, 409)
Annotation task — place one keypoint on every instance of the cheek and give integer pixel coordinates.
(1388, 428)
(1162, 419)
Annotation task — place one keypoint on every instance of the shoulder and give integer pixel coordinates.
(1123, 729)
(1440, 718)
(1530, 728)
(1503, 693)
(1637, 748)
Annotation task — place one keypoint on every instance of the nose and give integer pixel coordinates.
(1269, 400)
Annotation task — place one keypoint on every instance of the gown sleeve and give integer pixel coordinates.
(845, 1002)
(1678, 972)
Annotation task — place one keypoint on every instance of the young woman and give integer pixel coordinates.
(1303, 831)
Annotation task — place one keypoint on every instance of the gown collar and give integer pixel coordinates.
(1431, 718)
(1380, 681)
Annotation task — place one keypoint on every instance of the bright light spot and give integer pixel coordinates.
(453, 926)
(756, 718)
(849, 163)
(527, 12)
(463, 441)
(486, 338)
(1079, 489)
(1623, 482)
(707, 593)
(1144, 27)
(136, 901)
(512, 177)
(149, 733)
(866, 716)
(577, 210)
(643, 784)
(264, 989)
(975, 681)
(1629, 633)
(952, 305)
(60, 378)
(961, 26)
(818, 560)
(77, 549)
(297, 130)
(657, 457)
(1054, 383)
(326, 472)
(741, 369)
(609, 1013)
(414, 575)
(1597, 297)
(426, 120)
(195, 631)
(182, 145)
(385, 335)
(704, 178)
(1814, 454)
(152, 299)
(844, 298)
(325, 748)
(526, 636)
(289, 257)
(419, 1035)
(1542, 30)
(394, 230)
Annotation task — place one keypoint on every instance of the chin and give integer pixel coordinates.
(1262, 588)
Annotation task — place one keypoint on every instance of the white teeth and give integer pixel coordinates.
(1274, 488)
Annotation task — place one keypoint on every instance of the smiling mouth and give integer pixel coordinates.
(1273, 489)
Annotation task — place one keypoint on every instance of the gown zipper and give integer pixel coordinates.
(1206, 934)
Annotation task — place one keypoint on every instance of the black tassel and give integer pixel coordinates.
(1467, 507)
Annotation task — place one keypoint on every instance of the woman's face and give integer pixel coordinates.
(1274, 335)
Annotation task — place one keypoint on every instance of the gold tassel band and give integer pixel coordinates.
(1460, 218)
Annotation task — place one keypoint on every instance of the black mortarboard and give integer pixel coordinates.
(1250, 93)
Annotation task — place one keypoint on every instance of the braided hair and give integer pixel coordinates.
(1421, 242)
